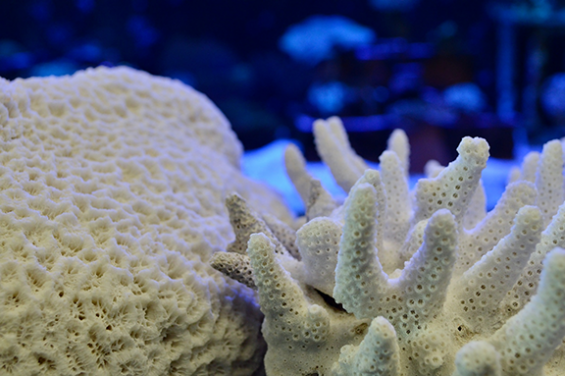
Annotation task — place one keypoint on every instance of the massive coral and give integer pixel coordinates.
(112, 185)
(397, 282)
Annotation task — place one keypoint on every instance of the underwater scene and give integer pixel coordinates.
(440, 69)
(282, 187)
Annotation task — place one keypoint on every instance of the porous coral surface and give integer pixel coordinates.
(425, 282)
(112, 186)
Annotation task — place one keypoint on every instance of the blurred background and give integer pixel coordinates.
(439, 69)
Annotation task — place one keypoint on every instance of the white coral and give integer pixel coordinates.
(112, 185)
(430, 287)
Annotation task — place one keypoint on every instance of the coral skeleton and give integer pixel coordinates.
(421, 282)
(112, 187)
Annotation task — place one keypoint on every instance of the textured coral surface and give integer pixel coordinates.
(425, 282)
(112, 186)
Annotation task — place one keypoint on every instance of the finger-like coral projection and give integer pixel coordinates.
(425, 282)
(335, 150)
(378, 353)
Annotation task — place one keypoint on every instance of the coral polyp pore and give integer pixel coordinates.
(398, 282)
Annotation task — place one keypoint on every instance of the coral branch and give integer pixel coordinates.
(476, 211)
(478, 358)
(425, 278)
(280, 296)
(335, 151)
(528, 339)
(336, 126)
(318, 243)
(360, 279)
(453, 188)
(514, 175)
(234, 265)
(479, 296)
(299, 329)
(433, 168)
(549, 179)
(398, 143)
(398, 208)
(387, 257)
(414, 241)
(295, 165)
(244, 223)
(553, 236)
(377, 355)
(320, 202)
(530, 166)
(283, 232)
(496, 225)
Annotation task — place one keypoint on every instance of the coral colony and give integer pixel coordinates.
(119, 190)
(398, 282)
(112, 186)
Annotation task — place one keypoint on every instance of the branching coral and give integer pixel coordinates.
(423, 282)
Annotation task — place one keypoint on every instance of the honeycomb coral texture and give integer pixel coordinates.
(112, 184)
(395, 282)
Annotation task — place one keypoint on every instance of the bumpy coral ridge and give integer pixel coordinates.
(112, 185)
(434, 286)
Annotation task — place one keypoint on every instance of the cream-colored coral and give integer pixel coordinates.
(112, 187)
(436, 286)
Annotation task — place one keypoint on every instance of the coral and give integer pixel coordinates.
(112, 185)
(415, 282)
